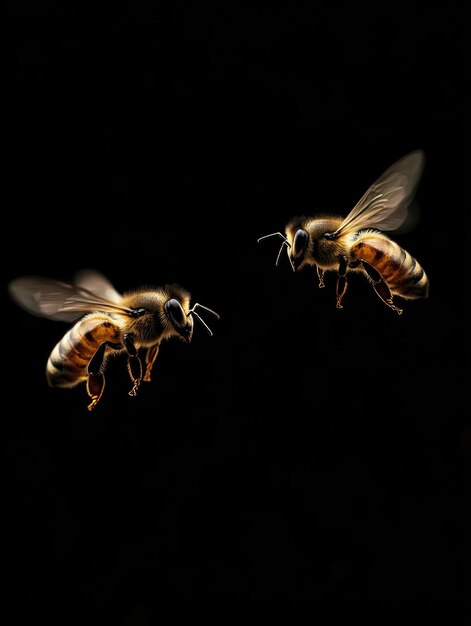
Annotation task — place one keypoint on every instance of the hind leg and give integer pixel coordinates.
(96, 378)
(378, 283)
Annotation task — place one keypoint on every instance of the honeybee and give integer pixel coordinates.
(106, 323)
(356, 243)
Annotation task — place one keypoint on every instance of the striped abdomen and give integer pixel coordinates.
(67, 364)
(402, 273)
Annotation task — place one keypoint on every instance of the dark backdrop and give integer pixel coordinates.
(303, 457)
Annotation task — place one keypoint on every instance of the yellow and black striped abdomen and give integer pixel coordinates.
(67, 364)
(402, 273)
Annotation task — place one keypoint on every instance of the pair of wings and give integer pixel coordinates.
(385, 204)
(56, 300)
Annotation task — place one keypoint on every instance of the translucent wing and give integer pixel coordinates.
(96, 283)
(57, 300)
(384, 205)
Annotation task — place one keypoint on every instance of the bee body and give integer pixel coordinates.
(106, 323)
(401, 272)
(356, 243)
(68, 362)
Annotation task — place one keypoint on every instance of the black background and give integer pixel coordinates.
(302, 458)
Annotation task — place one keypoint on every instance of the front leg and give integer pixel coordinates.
(134, 363)
(151, 355)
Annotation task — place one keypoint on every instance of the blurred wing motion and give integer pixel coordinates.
(384, 205)
(46, 297)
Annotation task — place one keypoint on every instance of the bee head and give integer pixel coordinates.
(181, 323)
(298, 248)
(298, 240)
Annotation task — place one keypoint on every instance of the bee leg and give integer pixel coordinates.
(379, 285)
(320, 276)
(342, 283)
(151, 355)
(96, 379)
(134, 363)
(95, 386)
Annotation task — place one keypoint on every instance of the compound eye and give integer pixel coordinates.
(175, 312)
(300, 242)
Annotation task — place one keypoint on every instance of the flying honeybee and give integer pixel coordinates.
(356, 243)
(106, 323)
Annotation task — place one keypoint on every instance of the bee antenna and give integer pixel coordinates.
(193, 312)
(273, 235)
(285, 243)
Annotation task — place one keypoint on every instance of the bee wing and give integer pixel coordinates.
(96, 283)
(385, 204)
(57, 300)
